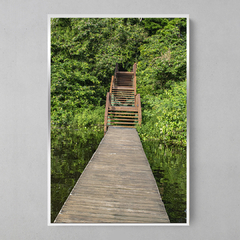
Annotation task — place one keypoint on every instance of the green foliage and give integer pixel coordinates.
(162, 61)
(161, 76)
(84, 52)
(152, 25)
(164, 116)
(86, 124)
(89, 119)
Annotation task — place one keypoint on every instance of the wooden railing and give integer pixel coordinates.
(138, 100)
(123, 104)
(106, 112)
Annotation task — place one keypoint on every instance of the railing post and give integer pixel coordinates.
(135, 81)
(106, 113)
(139, 109)
(135, 85)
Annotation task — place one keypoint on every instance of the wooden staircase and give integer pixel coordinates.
(123, 105)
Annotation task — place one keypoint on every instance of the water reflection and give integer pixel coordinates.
(70, 154)
(169, 169)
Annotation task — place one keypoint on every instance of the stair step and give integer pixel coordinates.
(128, 123)
(133, 117)
(123, 119)
(124, 73)
(126, 109)
(128, 113)
(125, 126)
(124, 88)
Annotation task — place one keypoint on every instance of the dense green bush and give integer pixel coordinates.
(162, 61)
(85, 125)
(165, 116)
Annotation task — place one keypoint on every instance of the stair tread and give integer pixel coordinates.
(123, 87)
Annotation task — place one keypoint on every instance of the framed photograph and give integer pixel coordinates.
(118, 120)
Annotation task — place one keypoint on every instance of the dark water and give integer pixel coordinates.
(69, 158)
(71, 151)
(168, 164)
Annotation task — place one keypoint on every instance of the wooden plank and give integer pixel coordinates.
(111, 85)
(116, 118)
(124, 78)
(117, 186)
(120, 123)
(125, 126)
(123, 87)
(122, 94)
(130, 98)
(128, 113)
(119, 117)
(126, 109)
(124, 73)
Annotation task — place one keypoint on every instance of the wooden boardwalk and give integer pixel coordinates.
(117, 186)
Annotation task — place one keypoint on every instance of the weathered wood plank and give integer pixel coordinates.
(124, 88)
(124, 109)
(117, 186)
(124, 73)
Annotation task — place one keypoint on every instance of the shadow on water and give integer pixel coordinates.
(71, 150)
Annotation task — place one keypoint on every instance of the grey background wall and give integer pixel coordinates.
(214, 119)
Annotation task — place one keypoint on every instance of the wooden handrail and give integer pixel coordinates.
(106, 112)
(111, 86)
(135, 84)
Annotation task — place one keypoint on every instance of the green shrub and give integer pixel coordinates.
(165, 116)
